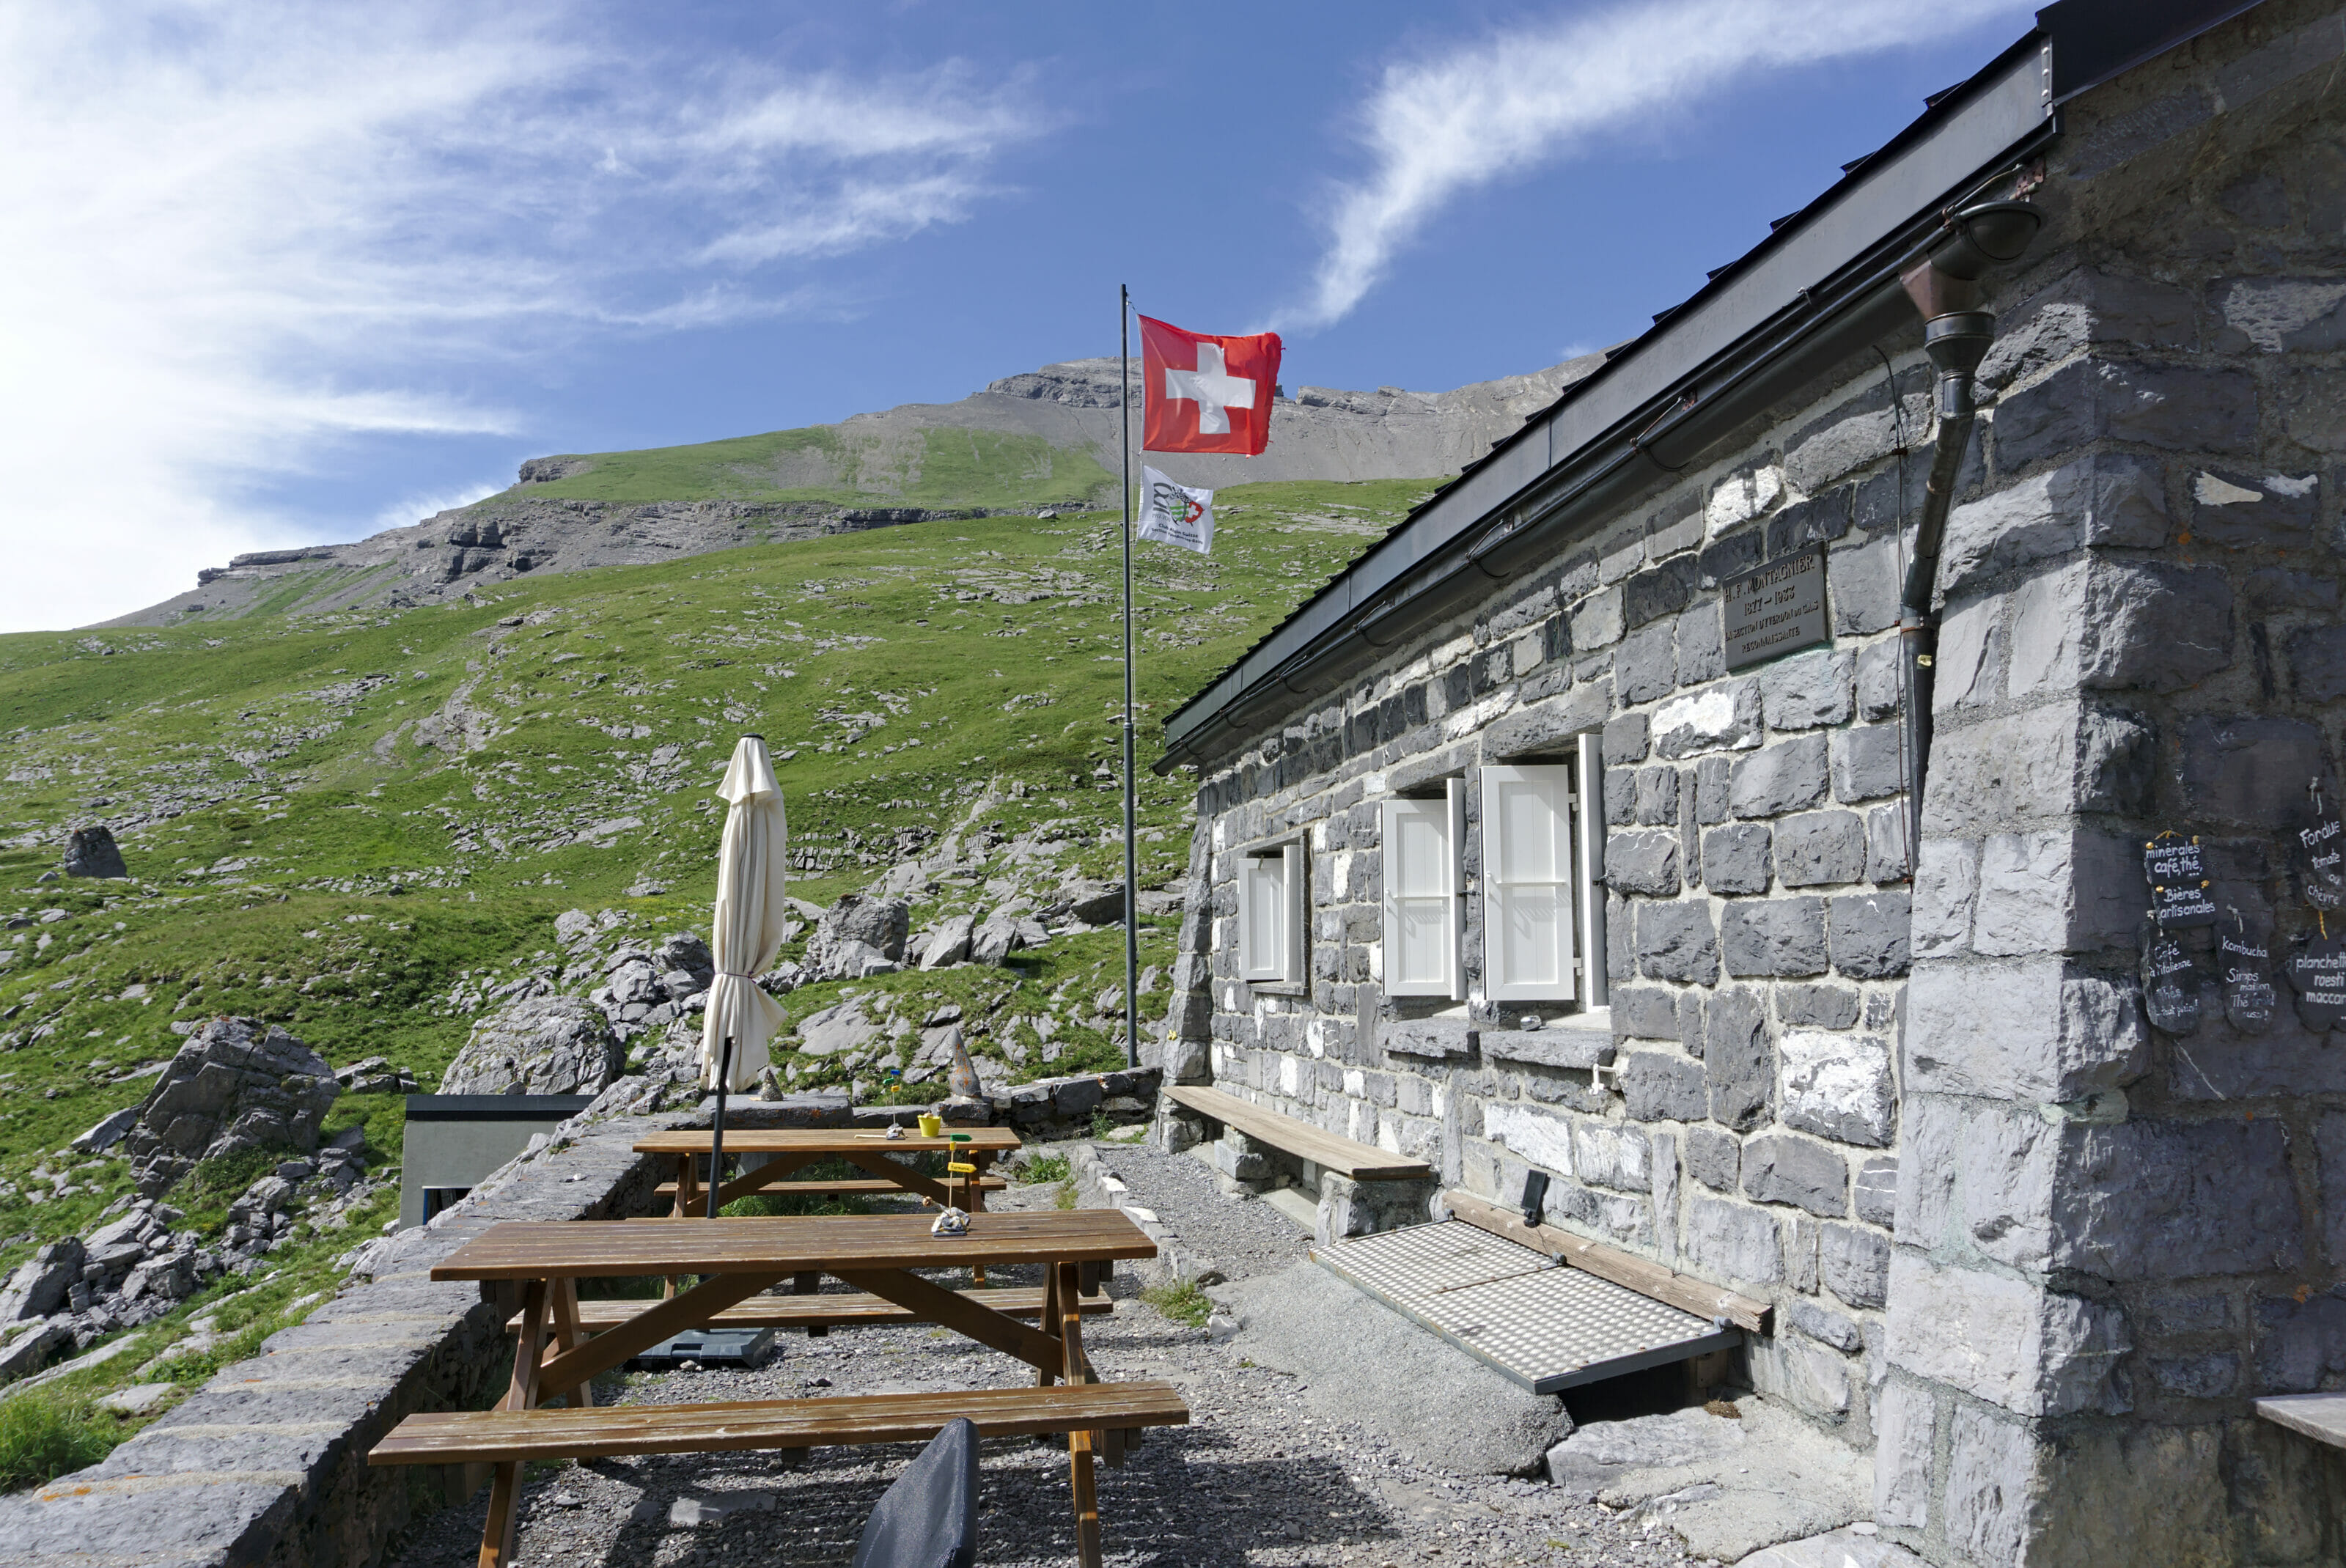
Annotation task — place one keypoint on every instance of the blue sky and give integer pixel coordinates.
(292, 274)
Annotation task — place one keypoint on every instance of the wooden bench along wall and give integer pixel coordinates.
(1329, 1151)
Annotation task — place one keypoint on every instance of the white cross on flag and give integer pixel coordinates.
(1174, 513)
(1204, 392)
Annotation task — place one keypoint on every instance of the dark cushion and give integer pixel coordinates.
(928, 1519)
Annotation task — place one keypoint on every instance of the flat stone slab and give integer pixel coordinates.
(1360, 1361)
(1435, 1039)
(1556, 1045)
(1852, 1548)
(1727, 1487)
(2321, 1417)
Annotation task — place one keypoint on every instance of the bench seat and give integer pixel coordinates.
(787, 1187)
(838, 1308)
(1329, 1151)
(506, 1437)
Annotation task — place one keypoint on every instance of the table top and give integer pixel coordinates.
(556, 1250)
(825, 1140)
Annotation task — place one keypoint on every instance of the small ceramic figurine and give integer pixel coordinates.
(950, 1222)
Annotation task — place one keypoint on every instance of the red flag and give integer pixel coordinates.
(1204, 392)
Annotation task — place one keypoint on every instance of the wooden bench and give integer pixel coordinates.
(1329, 1151)
(526, 1436)
(839, 1308)
(860, 1186)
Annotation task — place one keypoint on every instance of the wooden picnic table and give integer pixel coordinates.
(557, 1357)
(791, 1149)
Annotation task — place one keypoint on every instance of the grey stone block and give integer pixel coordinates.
(1736, 859)
(1625, 739)
(2066, 891)
(2103, 499)
(1856, 1264)
(1779, 1168)
(2021, 1029)
(1789, 776)
(1702, 654)
(1992, 1475)
(1816, 1006)
(1905, 1421)
(1866, 762)
(2301, 1346)
(2059, 761)
(1656, 1087)
(1557, 1045)
(1877, 678)
(2147, 625)
(1645, 1012)
(1676, 941)
(1644, 666)
(1711, 775)
(1738, 1059)
(1875, 1193)
(1870, 933)
(1620, 796)
(1716, 719)
(2248, 511)
(1818, 848)
(1809, 689)
(2317, 664)
(2251, 773)
(2003, 1339)
(1645, 862)
(1596, 620)
(1658, 795)
(1714, 1158)
(2208, 1376)
(2175, 407)
(2280, 588)
(1433, 1039)
(1886, 834)
(2153, 1200)
(1862, 586)
(1733, 1241)
(1782, 936)
(1824, 1324)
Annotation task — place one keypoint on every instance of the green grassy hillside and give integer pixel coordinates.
(356, 826)
(937, 466)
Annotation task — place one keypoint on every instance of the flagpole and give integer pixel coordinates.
(1131, 859)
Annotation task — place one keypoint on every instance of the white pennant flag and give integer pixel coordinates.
(1174, 513)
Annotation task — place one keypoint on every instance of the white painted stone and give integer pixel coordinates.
(1606, 1155)
(1835, 1084)
(1544, 1139)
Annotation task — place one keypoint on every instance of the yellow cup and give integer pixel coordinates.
(931, 1124)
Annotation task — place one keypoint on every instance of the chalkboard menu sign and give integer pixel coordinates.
(2318, 972)
(2244, 951)
(1776, 609)
(2170, 981)
(2321, 852)
(2179, 882)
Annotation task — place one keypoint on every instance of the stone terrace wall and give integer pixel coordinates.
(1745, 1127)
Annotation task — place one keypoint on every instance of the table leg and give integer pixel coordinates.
(807, 1282)
(1043, 1376)
(984, 1162)
(568, 1335)
(686, 1169)
(1076, 1369)
(501, 1536)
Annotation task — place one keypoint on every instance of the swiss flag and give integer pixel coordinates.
(1206, 393)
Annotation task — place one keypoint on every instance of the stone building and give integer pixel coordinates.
(1627, 703)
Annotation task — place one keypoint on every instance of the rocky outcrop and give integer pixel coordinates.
(92, 852)
(858, 936)
(543, 1045)
(236, 1085)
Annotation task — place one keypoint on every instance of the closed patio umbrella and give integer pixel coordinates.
(747, 931)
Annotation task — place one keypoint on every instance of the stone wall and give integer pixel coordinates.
(2037, 1254)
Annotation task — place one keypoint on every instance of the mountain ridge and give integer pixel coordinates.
(1039, 443)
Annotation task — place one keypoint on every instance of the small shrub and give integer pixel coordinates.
(1045, 1167)
(1181, 1301)
(43, 1435)
(1101, 1125)
(1065, 1196)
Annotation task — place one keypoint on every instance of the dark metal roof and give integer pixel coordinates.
(1705, 356)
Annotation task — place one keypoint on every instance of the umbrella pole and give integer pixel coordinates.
(716, 1144)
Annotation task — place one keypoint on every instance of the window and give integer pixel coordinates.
(1271, 915)
(1543, 880)
(1422, 894)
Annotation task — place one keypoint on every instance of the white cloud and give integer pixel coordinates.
(425, 504)
(1436, 128)
(242, 233)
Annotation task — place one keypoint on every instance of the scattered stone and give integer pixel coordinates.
(107, 1132)
(236, 1084)
(139, 1399)
(38, 1287)
(948, 943)
(688, 1512)
(857, 937)
(92, 852)
(545, 1045)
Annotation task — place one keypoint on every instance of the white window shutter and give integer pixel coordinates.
(1421, 916)
(1262, 918)
(1454, 791)
(1590, 837)
(1528, 891)
(1297, 914)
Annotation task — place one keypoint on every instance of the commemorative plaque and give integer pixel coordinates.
(2245, 953)
(2179, 882)
(1776, 609)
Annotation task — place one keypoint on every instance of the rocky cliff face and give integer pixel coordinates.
(1317, 434)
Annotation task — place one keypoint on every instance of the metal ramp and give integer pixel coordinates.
(1546, 1327)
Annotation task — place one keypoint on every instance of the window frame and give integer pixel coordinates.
(1549, 780)
(1590, 990)
(1291, 866)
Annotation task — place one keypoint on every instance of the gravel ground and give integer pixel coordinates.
(1251, 1481)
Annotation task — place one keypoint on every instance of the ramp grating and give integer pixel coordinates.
(1547, 1328)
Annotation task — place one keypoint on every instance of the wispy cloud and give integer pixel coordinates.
(242, 234)
(1498, 107)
